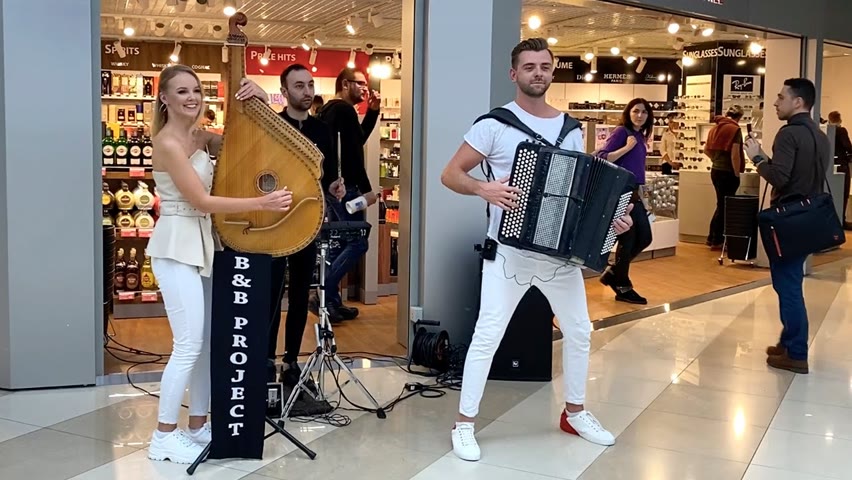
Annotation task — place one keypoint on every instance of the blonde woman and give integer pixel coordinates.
(181, 250)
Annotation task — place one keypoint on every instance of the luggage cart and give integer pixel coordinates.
(740, 243)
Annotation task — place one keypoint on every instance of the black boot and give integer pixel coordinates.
(631, 296)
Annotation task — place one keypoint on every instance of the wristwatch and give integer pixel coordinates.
(758, 159)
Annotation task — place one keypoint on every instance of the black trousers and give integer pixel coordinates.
(726, 185)
(844, 167)
(630, 244)
(302, 265)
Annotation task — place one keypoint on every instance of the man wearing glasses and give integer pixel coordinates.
(340, 115)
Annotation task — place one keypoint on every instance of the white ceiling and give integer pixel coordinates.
(578, 25)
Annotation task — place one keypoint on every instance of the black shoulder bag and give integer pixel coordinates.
(801, 225)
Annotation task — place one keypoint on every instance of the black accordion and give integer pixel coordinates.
(568, 204)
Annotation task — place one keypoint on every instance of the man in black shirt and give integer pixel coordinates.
(340, 115)
(297, 85)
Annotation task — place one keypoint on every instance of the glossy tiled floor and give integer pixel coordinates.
(688, 394)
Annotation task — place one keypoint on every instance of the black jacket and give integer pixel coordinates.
(798, 165)
(342, 117)
(319, 133)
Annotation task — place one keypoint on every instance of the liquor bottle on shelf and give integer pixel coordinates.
(121, 148)
(383, 209)
(106, 82)
(143, 219)
(142, 197)
(147, 151)
(394, 262)
(149, 282)
(140, 85)
(123, 198)
(135, 150)
(121, 115)
(148, 89)
(116, 84)
(108, 147)
(131, 275)
(107, 220)
(125, 219)
(120, 266)
(131, 115)
(107, 198)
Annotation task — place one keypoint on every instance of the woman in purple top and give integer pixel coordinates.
(627, 147)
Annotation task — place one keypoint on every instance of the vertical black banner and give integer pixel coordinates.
(239, 336)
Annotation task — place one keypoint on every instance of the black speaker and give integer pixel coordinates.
(526, 352)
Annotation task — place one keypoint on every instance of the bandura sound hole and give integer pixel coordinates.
(267, 183)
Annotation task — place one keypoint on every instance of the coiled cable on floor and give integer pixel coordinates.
(431, 350)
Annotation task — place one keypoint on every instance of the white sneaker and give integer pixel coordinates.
(464, 442)
(203, 436)
(176, 446)
(587, 426)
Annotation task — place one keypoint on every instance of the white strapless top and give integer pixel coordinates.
(184, 233)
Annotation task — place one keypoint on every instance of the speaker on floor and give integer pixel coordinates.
(526, 352)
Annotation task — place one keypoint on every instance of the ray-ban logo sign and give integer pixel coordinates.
(716, 2)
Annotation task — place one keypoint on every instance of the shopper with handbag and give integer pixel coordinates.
(627, 147)
(795, 225)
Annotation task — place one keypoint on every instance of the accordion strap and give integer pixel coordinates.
(508, 117)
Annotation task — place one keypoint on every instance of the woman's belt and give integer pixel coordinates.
(180, 208)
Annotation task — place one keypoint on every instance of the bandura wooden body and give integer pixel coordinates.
(261, 153)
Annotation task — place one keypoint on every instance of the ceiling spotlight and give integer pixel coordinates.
(534, 22)
(741, 62)
(588, 56)
(661, 77)
(589, 77)
(615, 50)
(761, 70)
(755, 48)
(313, 58)
(397, 60)
(707, 31)
(349, 27)
(159, 29)
(129, 31)
(351, 62)
(594, 68)
(264, 59)
(230, 8)
(674, 27)
(188, 30)
(630, 59)
(552, 40)
(305, 44)
(368, 49)
(688, 61)
(641, 66)
(175, 56)
(314, 69)
(319, 37)
(376, 19)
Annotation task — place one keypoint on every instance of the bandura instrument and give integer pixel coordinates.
(261, 153)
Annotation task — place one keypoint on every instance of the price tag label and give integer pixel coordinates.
(126, 296)
(137, 172)
(128, 232)
(149, 297)
(145, 232)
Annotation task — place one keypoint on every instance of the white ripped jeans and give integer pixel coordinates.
(505, 280)
(187, 296)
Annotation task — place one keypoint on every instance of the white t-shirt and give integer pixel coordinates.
(498, 143)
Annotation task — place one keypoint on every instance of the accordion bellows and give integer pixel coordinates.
(567, 205)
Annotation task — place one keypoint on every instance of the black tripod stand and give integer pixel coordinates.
(278, 428)
(326, 351)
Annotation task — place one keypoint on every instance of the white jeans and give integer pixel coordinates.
(187, 296)
(505, 280)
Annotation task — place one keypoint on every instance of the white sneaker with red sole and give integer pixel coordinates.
(585, 425)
